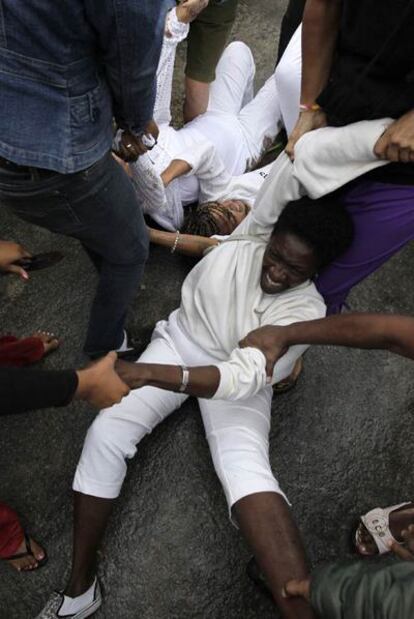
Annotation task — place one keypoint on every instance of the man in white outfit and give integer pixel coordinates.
(245, 283)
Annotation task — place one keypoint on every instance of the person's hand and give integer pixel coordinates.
(405, 553)
(133, 374)
(307, 121)
(297, 588)
(10, 253)
(132, 146)
(124, 165)
(100, 385)
(270, 340)
(188, 10)
(397, 142)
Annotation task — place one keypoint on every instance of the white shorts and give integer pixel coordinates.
(237, 432)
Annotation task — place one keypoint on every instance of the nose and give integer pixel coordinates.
(239, 206)
(278, 273)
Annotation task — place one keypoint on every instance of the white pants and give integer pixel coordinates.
(237, 432)
(288, 77)
(239, 126)
(242, 127)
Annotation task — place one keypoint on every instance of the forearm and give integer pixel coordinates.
(203, 381)
(319, 34)
(24, 390)
(175, 31)
(187, 244)
(371, 331)
(177, 168)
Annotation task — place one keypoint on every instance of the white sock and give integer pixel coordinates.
(71, 606)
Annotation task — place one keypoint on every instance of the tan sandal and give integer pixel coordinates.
(377, 523)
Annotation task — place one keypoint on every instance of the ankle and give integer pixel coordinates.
(79, 586)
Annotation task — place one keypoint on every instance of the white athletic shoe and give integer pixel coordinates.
(51, 610)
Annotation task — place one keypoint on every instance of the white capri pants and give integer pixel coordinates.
(237, 432)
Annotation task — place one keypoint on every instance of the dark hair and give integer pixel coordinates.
(200, 219)
(323, 224)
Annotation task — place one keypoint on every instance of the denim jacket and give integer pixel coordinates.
(67, 67)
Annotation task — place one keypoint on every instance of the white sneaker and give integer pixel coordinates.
(51, 610)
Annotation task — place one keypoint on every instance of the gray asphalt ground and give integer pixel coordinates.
(340, 442)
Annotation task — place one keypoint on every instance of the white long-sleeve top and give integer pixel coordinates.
(221, 298)
(214, 181)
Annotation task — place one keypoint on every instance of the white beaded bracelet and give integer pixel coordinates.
(174, 247)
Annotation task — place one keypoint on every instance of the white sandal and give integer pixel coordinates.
(377, 523)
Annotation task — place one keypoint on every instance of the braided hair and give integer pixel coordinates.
(204, 219)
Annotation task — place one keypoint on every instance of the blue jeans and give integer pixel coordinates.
(98, 206)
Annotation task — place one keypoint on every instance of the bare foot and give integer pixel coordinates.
(30, 561)
(399, 520)
(49, 340)
(407, 553)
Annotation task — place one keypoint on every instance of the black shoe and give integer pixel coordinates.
(130, 350)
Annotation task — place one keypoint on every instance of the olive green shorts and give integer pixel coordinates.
(207, 38)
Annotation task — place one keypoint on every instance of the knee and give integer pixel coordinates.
(107, 438)
(243, 53)
(242, 463)
(102, 468)
(133, 252)
(284, 76)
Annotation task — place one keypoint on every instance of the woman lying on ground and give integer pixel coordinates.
(225, 201)
(261, 275)
(366, 591)
(236, 125)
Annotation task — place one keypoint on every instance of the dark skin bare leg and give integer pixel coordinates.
(266, 523)
(264, 520)
(91, 515)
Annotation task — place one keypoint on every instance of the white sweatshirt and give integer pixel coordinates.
(221, 298)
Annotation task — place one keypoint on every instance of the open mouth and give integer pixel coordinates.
(272, 285)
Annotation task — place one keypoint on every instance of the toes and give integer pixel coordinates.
(24, 565)
(30, 567)
(364, 542)
(37, 550)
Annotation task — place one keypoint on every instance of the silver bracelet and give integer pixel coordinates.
(185, 377)
(174, 247)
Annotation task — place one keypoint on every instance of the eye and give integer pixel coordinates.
(274, 255)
